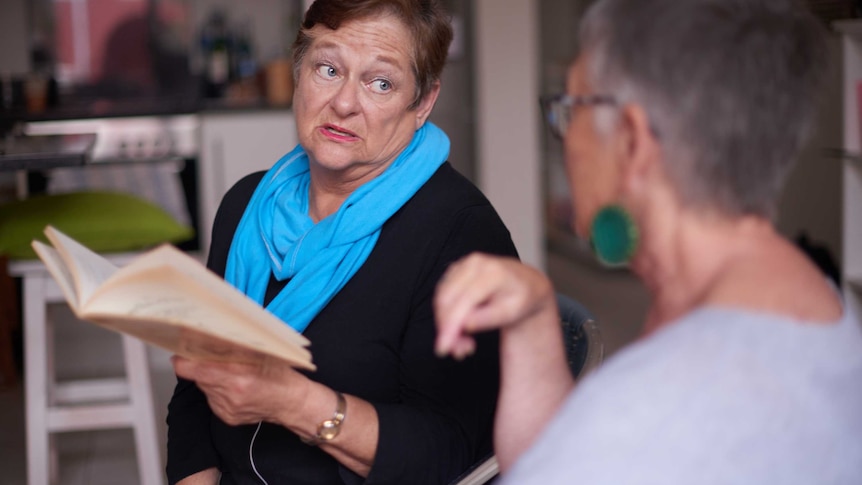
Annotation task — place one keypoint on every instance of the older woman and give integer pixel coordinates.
(680, 122)
(345, 239)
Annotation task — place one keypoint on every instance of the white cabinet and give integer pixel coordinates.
(235, 144)
(852, 170)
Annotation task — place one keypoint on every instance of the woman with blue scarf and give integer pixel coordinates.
(344, 239)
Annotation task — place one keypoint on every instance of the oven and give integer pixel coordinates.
(152, 157)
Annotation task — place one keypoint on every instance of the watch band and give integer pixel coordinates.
(330, 428)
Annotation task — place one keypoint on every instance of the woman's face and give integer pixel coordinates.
(590, 165)
(354, 88)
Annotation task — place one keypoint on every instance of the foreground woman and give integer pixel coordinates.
(680, 123)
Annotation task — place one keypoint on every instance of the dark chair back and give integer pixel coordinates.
(581, 336)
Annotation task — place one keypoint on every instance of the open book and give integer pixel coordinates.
(168, 299)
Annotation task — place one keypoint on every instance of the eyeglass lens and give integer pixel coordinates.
(557, 110)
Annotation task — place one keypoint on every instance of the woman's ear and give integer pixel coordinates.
(426, 104)
(639, 147)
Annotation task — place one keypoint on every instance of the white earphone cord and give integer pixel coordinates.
(251, 457)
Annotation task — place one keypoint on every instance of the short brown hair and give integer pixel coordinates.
(426, 20)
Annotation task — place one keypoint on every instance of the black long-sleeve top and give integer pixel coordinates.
(373, 340)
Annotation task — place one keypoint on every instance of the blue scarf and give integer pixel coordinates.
(276, 234)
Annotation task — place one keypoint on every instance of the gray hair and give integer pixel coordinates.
(730, 86)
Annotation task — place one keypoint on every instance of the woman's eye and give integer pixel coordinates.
(381, 85)
(326, 70)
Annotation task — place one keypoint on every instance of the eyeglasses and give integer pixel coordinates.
(558, 109)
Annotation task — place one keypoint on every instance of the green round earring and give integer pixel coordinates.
(614, 236)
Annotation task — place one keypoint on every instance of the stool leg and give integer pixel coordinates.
(8, 372)
(9, 315)
(51, 398)
(35, 380)
(53, 459)
(141, 396)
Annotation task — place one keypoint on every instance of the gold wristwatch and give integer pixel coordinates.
(330, 428)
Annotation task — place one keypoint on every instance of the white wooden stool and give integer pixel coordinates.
(53, 407)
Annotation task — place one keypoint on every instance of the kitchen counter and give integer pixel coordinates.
(159, 106)
(42, 152)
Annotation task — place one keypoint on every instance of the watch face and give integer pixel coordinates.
(328, 430)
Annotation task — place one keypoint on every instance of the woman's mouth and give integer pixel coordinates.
(339, 132)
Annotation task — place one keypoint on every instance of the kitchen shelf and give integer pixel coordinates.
(850, 27)
(855, 284)
(842, 154)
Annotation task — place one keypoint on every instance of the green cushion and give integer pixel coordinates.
(102, 221)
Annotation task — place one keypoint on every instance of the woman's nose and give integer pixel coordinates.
(345, 100)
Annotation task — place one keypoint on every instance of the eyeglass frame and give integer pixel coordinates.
(557, 108)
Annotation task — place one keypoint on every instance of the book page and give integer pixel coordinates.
(158, 293)
(210, 286)
(88, 269)
(167, 298)
(193, 344)
(59, 271)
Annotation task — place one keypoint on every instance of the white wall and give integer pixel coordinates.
(507, 118)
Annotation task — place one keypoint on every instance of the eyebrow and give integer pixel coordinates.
(327, 45)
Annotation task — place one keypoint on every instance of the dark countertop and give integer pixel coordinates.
(159, 106)
(45, 151)
(105, 108)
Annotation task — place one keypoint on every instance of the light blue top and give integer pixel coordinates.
(723, 396)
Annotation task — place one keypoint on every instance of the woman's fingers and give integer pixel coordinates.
(208, 372)
(465, 287)
(237, 393)
(482, 292)
(463, 347)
